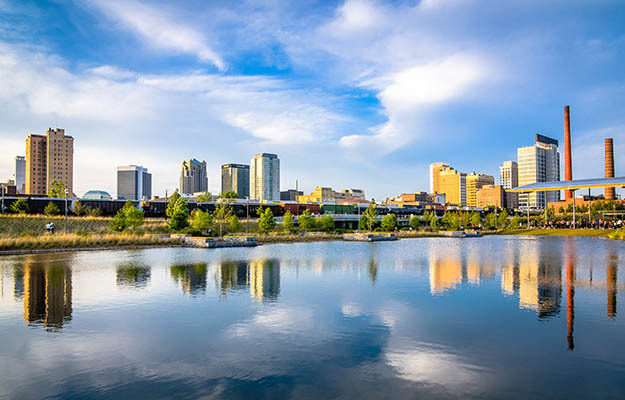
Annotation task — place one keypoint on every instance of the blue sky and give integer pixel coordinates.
(355, 93)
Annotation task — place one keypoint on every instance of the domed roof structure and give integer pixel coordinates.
(97, 195)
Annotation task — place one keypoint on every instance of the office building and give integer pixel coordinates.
(236, 178)
(435, 170)
(474, 183)
(327, 195)
(49, 158)
(193, 177)
(290, 195)
(133, 183)
(20, 174)
(491, 196)
(538, 163)
(453, 184)
(509, 178)
(265, 177)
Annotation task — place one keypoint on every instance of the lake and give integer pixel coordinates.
(491, 317)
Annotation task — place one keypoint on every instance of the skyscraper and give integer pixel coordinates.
(133, 183)
(453, 184)
(20, 174)
(193, 177)
(539, 163)
(265, 177)
(236, 178)
(509, 178)
(475, 182)
(435, 170)
(49, 158)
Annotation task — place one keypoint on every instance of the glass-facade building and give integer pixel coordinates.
(133, 183)
(538, 163)
(236, 178)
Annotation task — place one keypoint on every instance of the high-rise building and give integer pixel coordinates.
(509, 178)
(491, 196)
(435, 170)
(474, 183)
(454, 185)
(20, 174)
(193, 177)
(539, 163)
(265, 177)
(133, 183)
(236, 178)
(49, 158)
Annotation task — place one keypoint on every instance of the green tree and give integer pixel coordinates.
(223, 212)
(561, 210)
(201, 220)
(503, 219)
(179, 215)
(464, 219)
(389, 222)
(476, 219)
(205, 197)
(235, 225)
(434, 225)
(79, 208)
(266, 222)
(57, 190)
(51, 209)
(369, 217)
(118, 223)
(287, 222)
(515, 222)
(305, 221)
(229, 195)
(20, 206)
(491, 220)
(172, 203)
(326, 224)
(414, 222)
(134, 216)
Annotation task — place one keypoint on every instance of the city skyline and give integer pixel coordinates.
(349, 94)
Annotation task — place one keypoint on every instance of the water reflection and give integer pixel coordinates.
(133, 275)
(261, 277)
(191, 277)
(47, 292)
(611, 272)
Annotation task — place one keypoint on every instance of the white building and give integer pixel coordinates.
(509, 178)
(20, 174)
(538, 163)
(265, 177)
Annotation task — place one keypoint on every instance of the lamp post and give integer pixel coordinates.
(247, 208)
(2, 206)
(66, 191)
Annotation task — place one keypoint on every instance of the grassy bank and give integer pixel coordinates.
(295, 237)
(29, 225)
(72, 240)
(607, 233)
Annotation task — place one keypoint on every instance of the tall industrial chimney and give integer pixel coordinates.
(610, 193)
(568, 172)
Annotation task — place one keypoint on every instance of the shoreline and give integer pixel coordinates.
(320, 237)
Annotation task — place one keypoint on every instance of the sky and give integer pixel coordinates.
(349, 94)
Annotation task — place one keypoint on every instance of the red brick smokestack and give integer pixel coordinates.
(610, 193)
(568, 172)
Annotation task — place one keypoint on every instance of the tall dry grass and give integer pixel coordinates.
(73, 240)
(28, 225)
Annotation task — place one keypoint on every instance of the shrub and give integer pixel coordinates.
(201, 220)
(389, 222)
(134, 216)
(415, 222)
(235, 225)
(51, 209)
(20, 206)
(93, 211)
(306, 221)
(118, 223)
(326, 224)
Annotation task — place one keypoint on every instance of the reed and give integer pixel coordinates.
(26, 225)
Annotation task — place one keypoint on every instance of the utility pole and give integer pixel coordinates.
(247, 224)
(66, 211)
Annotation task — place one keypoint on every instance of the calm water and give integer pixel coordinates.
(493, 317)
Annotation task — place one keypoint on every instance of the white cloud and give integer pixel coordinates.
(158, 29)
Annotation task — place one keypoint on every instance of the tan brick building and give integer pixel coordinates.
(49, 158)
(491, 195)
(474, 183)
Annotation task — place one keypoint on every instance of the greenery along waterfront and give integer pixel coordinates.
(129, 227)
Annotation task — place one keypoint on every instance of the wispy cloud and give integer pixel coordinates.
(160, 29)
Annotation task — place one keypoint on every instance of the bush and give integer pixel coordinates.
(79, 209)
(235, 225)
(118, 223)
(201, 220)
(20, 206)
(306, 221)
(389, 222)
(415, 222)
(326, 224)
(51, 209)
(93, 212)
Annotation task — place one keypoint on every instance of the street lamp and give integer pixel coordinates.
(2, 206)
(247, 211)
(66, 191)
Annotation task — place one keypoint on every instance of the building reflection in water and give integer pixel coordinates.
(191, 277)
(47, 291)
(132, 275)
(570, 292)
(260, 277)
